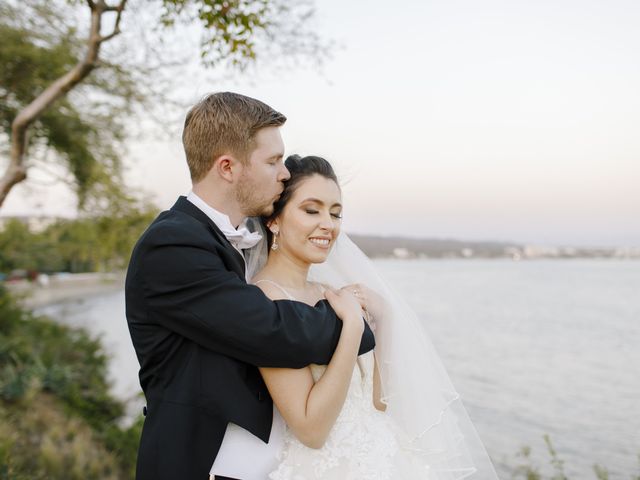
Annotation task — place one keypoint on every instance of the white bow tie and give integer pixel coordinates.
(242, 238)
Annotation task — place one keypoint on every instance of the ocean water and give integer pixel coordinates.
(534, 348)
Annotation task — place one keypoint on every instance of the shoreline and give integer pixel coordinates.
(64, 288)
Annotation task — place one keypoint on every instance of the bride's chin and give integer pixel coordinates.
(320, 258)
(316, 258)
(311, 256)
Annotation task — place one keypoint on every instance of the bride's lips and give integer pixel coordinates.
(321, 242)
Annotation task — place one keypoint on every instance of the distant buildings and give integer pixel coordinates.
(627, 252)
(467, 252)
(407, 248)
(401, 253)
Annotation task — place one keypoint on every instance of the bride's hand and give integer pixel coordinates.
(346, 306)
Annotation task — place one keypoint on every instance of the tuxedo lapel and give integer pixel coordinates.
(236, 259)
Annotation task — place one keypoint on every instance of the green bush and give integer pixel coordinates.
(528, 471)
(87, 244)
(57, 416)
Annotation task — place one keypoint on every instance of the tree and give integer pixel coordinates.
(87, 244)
(17, 247)
(40, 68)
(65, 97)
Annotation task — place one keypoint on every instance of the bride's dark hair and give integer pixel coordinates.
(299, 168)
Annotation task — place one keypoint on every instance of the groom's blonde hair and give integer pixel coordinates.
(224, 123)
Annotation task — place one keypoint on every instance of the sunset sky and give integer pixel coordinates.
(495, 120)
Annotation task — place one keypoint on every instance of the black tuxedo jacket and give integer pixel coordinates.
(200, 331)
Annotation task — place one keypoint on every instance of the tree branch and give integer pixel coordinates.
(112, 8)
(116, 26)
(16, 171)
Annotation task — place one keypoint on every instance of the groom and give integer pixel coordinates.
(199, 330)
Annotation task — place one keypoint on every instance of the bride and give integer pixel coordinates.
(389, 414)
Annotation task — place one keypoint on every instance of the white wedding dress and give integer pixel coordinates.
(362, 444)
(425, 433)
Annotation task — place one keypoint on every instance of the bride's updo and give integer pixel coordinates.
(301, 168)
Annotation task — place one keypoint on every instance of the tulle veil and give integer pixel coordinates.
(420, 397)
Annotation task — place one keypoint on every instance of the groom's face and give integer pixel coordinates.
(261, 180)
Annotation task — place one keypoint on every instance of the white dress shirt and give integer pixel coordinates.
(242, 454)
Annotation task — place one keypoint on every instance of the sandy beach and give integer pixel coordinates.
(65, 287)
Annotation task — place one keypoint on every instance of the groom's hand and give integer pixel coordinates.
(346, 305)
(370, 300)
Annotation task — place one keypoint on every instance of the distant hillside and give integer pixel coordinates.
(375, 246)
(399, 247)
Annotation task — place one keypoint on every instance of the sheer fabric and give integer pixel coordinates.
(362, 444)
(425, 418)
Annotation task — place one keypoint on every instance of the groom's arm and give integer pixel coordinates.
(188, 290)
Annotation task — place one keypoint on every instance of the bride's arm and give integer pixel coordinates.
(310, 409)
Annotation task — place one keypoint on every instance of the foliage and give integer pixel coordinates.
(556, 462)
(86, 244)
(528, 471)
(525, 470)
(18, 247)
(229, 25)
(82, 134)
(57, 417)
(237, 32)
(77, 132)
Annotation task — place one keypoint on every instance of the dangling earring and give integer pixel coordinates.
(274, 244)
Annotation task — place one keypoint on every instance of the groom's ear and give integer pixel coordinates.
(225, 166)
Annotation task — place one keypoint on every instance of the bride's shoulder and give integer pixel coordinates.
(270, 288)
(321, 286)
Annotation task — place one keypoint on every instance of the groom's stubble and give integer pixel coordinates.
(262, 175)
(248, 197)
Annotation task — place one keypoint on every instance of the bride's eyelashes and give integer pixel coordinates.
(314, 212)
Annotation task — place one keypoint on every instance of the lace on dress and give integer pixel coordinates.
(362, 443)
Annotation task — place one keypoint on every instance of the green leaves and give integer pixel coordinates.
(83, 130)
(97, 243)
(32, 54)
(231, 29)
(53, 388)
(128, 81)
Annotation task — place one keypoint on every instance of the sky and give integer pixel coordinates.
(505, 120)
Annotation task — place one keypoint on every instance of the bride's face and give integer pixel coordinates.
(310, 222)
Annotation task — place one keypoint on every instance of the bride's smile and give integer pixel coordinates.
(310, 221)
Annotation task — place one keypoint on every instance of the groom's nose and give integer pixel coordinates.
(284, 174)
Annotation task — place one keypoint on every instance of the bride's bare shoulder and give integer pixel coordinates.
(322, 286)
(270, 288)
